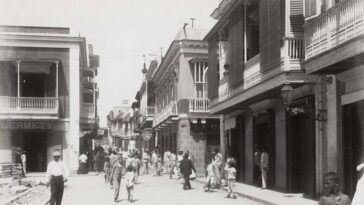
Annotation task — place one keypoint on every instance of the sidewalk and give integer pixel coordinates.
(266, 196)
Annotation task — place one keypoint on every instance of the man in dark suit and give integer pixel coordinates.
(186, 168)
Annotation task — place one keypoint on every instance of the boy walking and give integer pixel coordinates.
(231, 176)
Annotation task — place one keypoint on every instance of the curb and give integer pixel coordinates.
(242, 195)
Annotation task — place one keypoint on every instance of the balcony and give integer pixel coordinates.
(150, 111)
(170, 110)
(199, 105)
(29, 106)
(88, 112)
(336, 27)
(292, 54)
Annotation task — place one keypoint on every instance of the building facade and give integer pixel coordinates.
(182, 121)
(256, 50)
(40, 94)
(334, 51)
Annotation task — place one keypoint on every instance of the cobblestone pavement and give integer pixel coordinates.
(92, 190)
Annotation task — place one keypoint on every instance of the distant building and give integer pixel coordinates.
(47, 94)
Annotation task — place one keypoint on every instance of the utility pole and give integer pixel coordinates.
(192, 20)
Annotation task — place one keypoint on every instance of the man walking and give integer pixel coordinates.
(186, 168)
(57, 174)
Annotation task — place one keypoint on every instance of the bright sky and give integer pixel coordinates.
(121, 31)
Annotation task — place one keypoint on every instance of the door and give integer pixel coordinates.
(353, 144)
(33, 85)
(301, 157)
(35, 145)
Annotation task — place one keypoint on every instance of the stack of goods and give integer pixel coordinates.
(16, 171)
(5, 170)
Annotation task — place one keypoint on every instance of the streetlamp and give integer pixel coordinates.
(287, 95)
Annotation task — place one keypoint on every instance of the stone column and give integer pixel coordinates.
(249, 144)
(281, 146)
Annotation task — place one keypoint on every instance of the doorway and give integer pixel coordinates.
(301, 157)
(353, 144)
(264, 136)
(33, 85)
(35, 146)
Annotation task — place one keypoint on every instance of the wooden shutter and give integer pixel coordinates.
(296, 17)
(311, 8)
(212, 80)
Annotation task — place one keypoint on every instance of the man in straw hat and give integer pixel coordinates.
(57, 174)
(359, 192)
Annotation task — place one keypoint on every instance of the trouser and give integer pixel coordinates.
(264, 178)
(231, 187)
(257, 176)
(186, 184)
(116, 184)
(130, 192)
(210, 182)
(146, 168)
(57, 187)
(171, 171)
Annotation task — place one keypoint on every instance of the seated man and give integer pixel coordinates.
(332, 194)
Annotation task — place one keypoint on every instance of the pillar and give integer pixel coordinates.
(222, 139)
(281, 147)
(249, 144)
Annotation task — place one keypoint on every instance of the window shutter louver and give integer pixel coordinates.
(311, 8)
(296, 16)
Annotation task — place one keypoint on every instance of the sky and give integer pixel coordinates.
(121, 31)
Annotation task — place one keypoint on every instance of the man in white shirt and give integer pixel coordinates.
(359, 192)
(57, 174)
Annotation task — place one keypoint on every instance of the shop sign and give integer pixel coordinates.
(25, 125)
(146, 135)
(33, 125)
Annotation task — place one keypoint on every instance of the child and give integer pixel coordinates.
(107, 169)
(210, 178)
(130, 180)
(231, 176)
(332, 194)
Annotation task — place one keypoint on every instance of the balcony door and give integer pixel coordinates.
(32, 85)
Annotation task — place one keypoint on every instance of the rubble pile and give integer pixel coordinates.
(16, 191)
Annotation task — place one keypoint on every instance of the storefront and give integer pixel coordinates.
(38, 138)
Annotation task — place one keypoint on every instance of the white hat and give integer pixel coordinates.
(56, 154)
(360, 166)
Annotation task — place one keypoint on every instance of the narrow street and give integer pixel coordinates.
(92, 190)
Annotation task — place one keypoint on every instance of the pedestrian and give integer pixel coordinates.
(210, 176)
(228, 157)
(186, 168)
(83, 164)
(264, 167)
(257, 175)
(146, 162)
(135, 163)
(166, 161)
(172, 161)
(107, 169)
(130, 180)
(218, 162)
(358, 198)
(154, 162)
(332, 194)
(231, 177)
(57, 175)
(113, 158)
(23, 158)
(116, 175)
(159, 165)
(179, 159)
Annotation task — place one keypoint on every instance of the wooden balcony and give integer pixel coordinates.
(170, 110)
(150, 111)
(199, 105)
(33, 106)
(292, 54)
(88, 111)
(335, 30)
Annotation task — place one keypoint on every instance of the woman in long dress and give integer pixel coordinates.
(83, 164)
